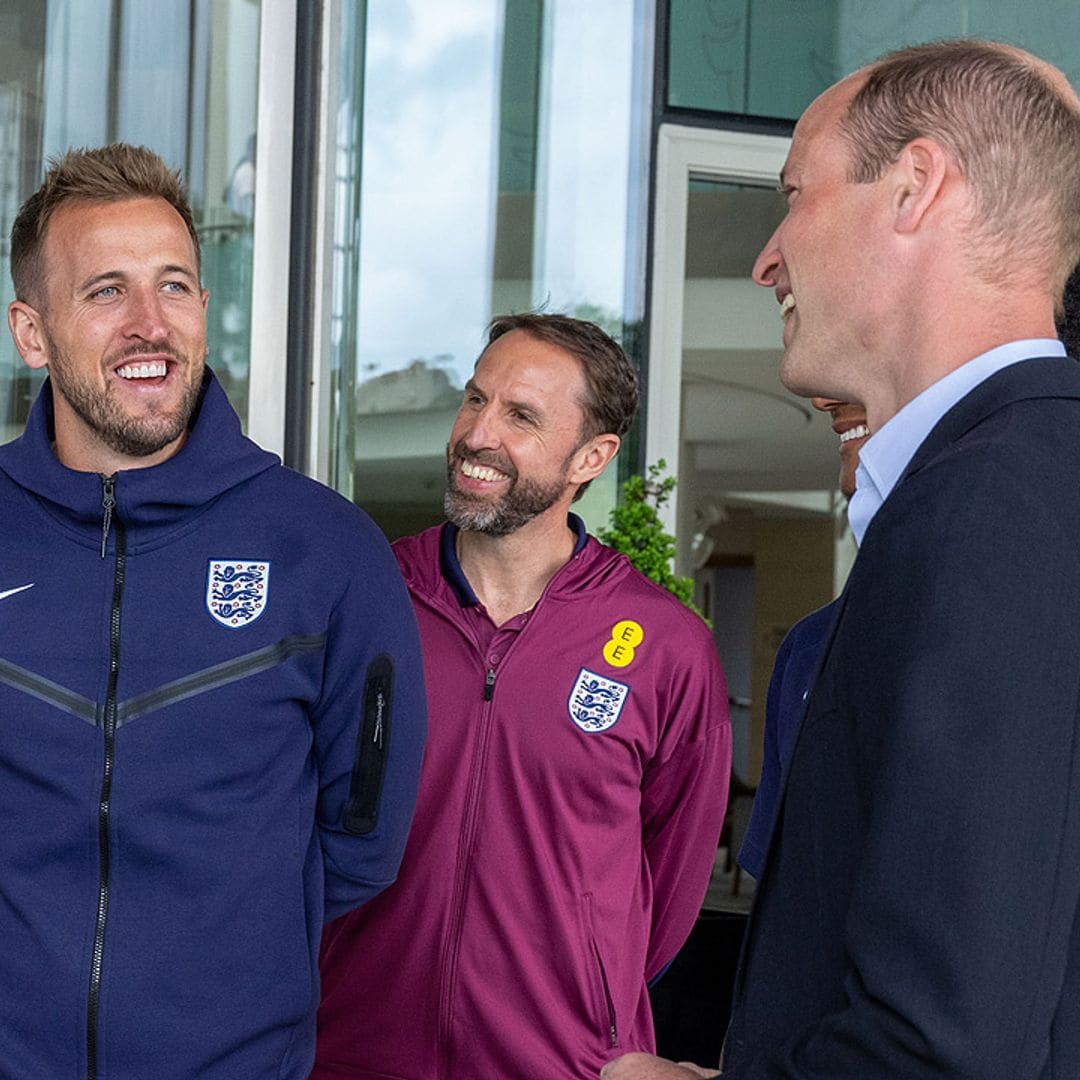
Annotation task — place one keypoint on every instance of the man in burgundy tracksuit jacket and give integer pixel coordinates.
(576, 771)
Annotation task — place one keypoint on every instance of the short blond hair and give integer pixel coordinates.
(1014, 135)
(105, 174)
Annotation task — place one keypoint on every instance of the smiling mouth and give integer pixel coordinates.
(482, 472)
(146, 369)
(787, 306)
(858, 432)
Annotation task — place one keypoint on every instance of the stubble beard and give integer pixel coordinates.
(522, 501)
(99, 409)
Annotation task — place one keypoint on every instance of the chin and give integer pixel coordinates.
(793, 378)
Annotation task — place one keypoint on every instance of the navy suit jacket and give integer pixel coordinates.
(918, 913)
(789, 687)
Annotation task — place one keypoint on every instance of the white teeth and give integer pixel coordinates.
(481, 472)
(854, 433)
(153, 369)
(787, 306)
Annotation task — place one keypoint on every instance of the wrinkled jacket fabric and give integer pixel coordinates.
(556, 864)
(183, 794)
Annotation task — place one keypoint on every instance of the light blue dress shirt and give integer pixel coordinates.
(886, 454)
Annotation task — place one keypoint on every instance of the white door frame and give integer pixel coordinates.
(682, 154)
(273, 216)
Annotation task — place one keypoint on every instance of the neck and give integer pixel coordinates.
(77, 446)
(935, 343)
(96, 457)
(509, 573)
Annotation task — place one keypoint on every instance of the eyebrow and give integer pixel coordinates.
(119, 275)
(531, 408)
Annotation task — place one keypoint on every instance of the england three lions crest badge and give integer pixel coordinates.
(237, 591)
(595, 702)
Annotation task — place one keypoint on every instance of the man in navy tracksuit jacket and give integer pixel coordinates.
(211, 704)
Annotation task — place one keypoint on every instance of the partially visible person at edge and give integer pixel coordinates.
(1068, 322)
(797, 661)
(210, 678)
(576, 775)
(918, 909)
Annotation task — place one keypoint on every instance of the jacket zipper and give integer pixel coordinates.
(598, 960)
(465, 844)
(457, 906)
(108, 502)
(108, 505)
(613, 1031)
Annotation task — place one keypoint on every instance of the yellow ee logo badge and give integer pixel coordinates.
(626, 637)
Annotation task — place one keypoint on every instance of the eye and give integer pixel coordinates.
(176, 287)
(107, 292)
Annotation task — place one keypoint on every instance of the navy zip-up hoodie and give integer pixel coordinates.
(211, 725)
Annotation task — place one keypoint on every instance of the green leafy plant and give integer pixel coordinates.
(635, 529)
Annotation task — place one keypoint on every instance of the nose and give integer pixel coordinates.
(481, 433)
(145, 315)
(823, 404)
(476, 428)
(768, 264)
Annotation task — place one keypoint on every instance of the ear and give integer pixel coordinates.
(28, 331)
(919, 176)
(591, 459)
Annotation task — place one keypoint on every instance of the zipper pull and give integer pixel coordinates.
(108, 504)
(489, 684)
(380, 705)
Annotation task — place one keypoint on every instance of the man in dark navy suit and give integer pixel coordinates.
(919, 911)
(797, 660)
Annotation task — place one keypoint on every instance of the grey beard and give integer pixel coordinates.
(524, 501)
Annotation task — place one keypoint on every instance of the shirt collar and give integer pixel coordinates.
(451, 567)
(886, 454)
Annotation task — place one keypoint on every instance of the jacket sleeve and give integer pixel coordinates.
(792, 676)
(965, 892)
(751, 855)
(684, 795)
(369, 728)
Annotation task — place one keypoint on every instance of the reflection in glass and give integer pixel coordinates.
(179, 78)
(495, 177)
(762, 58)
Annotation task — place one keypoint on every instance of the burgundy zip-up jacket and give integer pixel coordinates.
(571, 798)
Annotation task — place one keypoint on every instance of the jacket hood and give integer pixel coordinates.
(215, 457)
(429, 565)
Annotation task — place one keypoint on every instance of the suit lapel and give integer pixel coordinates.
(1053, 376)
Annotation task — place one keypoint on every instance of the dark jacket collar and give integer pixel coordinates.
(215, 457)
(451, 568)
(1041, 377)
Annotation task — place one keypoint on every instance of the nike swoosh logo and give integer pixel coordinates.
(11, 592)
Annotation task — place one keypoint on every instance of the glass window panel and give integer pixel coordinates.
(763, 58)
(496, 172)
(179, 78)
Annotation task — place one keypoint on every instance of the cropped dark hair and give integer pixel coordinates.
(105, 174)
(611, 384)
